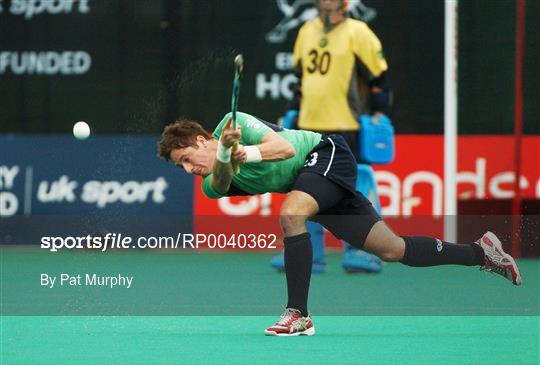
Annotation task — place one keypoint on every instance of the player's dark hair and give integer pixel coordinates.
(180, 134)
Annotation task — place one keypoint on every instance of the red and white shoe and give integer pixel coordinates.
(291, 323)
(496, 260)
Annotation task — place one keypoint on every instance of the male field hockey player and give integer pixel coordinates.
(319, 176)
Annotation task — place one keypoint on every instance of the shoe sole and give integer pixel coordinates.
(308, 332)
(513, 266)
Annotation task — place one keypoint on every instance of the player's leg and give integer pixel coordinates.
(311, 193)
(295, 210)
(316, 232)
(358, 224)
(421, 251)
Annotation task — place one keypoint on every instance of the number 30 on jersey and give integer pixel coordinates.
(319, 62)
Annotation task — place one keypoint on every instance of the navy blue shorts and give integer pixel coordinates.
(329, 176)
(352, 140)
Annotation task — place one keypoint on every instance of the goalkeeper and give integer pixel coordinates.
(319, 176)
(342, 74)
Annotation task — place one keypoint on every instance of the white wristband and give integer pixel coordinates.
(223, 154)
(253, 154)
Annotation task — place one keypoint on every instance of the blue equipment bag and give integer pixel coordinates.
(376, 139)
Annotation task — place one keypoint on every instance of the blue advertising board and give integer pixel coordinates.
(109, 182)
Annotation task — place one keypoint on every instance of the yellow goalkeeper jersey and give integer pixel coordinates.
(336, 69)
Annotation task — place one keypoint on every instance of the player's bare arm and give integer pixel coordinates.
(222, 171)
(273, 147)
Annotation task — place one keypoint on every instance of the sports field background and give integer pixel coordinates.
(215, 307)
(239, 340)
(154, 61)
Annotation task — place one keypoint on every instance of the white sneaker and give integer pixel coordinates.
(291, 323)
(496, 260)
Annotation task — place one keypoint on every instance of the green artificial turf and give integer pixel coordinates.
(210, 308)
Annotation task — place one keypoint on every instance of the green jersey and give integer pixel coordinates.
(264, 177)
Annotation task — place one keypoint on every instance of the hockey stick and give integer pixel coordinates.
(238, 68)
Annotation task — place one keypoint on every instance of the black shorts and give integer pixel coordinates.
(329, 176)
(352, 140)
